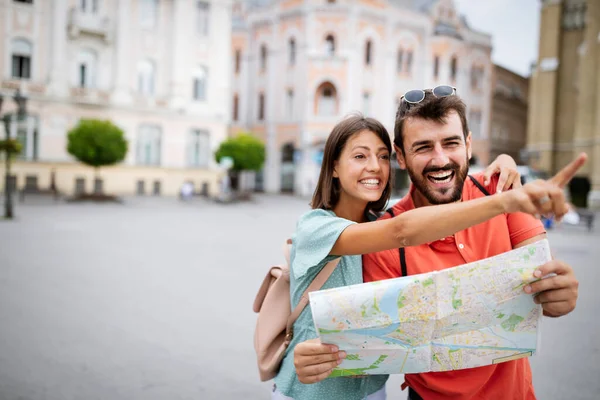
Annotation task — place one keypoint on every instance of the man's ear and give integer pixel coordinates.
(400, 157)
(469, 147)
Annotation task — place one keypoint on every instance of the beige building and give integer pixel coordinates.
(156, 68)
(300, 66)
(564, 112)
(508, 132)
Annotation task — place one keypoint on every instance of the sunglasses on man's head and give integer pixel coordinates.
(418, 95)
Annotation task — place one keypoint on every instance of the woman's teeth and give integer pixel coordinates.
(370, 182)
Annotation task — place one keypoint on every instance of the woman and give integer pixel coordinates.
(353, 182)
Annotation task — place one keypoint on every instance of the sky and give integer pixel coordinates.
(514, 26)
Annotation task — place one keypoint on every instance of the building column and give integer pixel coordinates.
(273, 161)
(585, 119)
(58, 79)
(593, 8)
(541, 129)
(122, 86)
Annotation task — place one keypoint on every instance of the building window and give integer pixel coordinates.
(477, 74)
(236, 107)
(149, 145)
(238, 61)
(146, 77)
(436, 67)
(198, 148)
(326, 100)
(475, 124)
(292, 51)
(409, 60)
(289, 104)
(86, 69)
(21, 59)
(261, 106)
(366, 104)
(148, 13)
(263, 58)
(368, 51)
(330, 45)
(89, 6)
(200, 84)
(203, 18)
(453, 69)
(400, 61)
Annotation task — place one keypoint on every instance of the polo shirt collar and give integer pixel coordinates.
(407, 203)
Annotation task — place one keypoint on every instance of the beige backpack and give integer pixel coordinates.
(275, 322)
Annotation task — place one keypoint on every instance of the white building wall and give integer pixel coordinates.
(59, 31)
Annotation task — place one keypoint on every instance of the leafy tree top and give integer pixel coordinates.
(97, 143)
(247, 152)
(10, 146)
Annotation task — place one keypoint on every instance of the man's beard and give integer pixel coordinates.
(434, 196)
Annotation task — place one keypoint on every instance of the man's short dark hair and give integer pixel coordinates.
(432, 108)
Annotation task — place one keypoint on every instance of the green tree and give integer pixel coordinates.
(11, 147)
(97, 143)
(247, 152)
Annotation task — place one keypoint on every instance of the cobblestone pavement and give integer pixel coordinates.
(153, 300)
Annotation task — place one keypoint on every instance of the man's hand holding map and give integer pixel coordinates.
(463, 317)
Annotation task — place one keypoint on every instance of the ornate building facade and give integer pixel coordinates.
(155, 68)
(300, 66)
(564, 112)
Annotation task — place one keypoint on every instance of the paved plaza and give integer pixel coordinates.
(152, 299)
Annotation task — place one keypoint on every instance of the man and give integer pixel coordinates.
(433, 144)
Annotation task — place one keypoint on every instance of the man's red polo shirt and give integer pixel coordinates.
(510, 380)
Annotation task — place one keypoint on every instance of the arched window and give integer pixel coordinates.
(292, 51)
(148, 149)
(400, 61)
(261, 106)
(238, 60)
(21, 51)
(198, 148)
(330, 45)
(146, 77)
(236, 107)
(409, 60)
(89, 6)
(436, 66)
(453, 68)
(263, 57)
(368, 51)
(326, 100)
(86, 69)
(477, 76)
(200, 83)
(148, 13)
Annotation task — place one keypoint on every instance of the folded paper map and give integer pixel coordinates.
(468, 316)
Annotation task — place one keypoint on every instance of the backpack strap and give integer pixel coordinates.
(316, 284)
(479, 185)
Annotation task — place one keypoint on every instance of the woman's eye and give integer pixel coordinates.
(359, 156)
(385, 156)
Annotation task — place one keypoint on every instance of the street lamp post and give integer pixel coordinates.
(21, 112)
